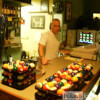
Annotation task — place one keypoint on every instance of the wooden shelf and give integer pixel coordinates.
(13, 45)
(21, 3)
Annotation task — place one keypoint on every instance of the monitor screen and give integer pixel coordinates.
(85, 37)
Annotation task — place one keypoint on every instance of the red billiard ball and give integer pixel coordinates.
(56, 75)
(46, 87)
(25, 68)
(20, 69)
(57, 79)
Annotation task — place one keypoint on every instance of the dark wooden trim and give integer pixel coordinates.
(96, 75)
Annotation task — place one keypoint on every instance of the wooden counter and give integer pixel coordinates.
(53, 66)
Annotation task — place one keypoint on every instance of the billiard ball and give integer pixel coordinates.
(44, 82)
(20, 69)
(74, 79)
(25, 68)
(32, 65)
(5, 66)
(25, 82)
(19, 83)
(71, 82)
(65, 88)
(57, 79)
(60, 92)
(70, 70)
(64, 69)
(79, 75)
(54, 81)
(62, 76)
(26, 63)
(46, 87)
(68, 85)
(10, 68)
(59, 72)
(61, 83)
(10, 80)
(53, 89)
(64, 81)
(75, 71)
(51, 78)
(58, 86)
(56, 75)
(68, 77)
(20, 77)
(39, 85)
(50, 84)
(65, 73)
(47, 79)
(15, 68)
(82, 66)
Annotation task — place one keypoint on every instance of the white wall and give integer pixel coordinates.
(30, 37)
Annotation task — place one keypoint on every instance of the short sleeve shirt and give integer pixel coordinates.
(51, 44)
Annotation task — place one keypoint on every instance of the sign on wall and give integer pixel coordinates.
(68, 11)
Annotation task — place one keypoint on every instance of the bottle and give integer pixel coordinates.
(4, 9)
(16, 11)
(11, 11)
(10, 59)
(19, 12)
(8, 10)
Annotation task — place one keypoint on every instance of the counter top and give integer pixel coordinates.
(53, 66)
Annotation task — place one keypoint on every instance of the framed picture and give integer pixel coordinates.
(68, 11)
(38, 22)
(45, 5)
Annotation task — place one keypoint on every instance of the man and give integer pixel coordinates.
(49, 45)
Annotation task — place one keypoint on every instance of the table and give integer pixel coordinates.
(53, 66)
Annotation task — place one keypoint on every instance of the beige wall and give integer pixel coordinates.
(30, 37)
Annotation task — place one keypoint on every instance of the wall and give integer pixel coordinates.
(92, 6)
(77, 11)
(30, 37)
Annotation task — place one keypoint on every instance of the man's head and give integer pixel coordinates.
(55, 26)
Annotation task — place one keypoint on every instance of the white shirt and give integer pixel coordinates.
(51, 44)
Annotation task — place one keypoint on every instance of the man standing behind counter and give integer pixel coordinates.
(49, 45)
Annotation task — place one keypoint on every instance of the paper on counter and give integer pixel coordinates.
(73, 58)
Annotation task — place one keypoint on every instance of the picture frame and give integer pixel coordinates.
(38, 22)
(44, 6)
(68, 11)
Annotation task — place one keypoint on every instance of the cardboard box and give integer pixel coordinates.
(38, 73)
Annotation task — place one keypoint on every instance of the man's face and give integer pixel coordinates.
(55, 27)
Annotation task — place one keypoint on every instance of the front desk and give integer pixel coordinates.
(53, 66)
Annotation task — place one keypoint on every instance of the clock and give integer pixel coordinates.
(58, 7)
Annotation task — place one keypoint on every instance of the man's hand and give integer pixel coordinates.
(65, 52)
(44, 61)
